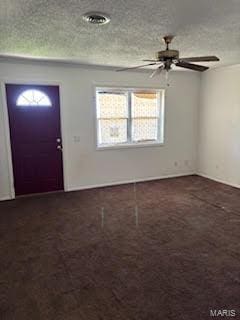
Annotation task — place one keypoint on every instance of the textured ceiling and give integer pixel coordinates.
(55, 29)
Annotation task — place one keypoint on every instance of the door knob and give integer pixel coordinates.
(59, 147)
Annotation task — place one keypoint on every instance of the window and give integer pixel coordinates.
(33, 98)
(129, 116)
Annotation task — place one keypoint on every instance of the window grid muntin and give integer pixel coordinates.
(160, 97)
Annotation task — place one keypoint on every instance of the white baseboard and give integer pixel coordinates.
(235, 185)
(109, 184)
(5, 198)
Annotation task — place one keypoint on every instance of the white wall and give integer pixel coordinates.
(219, 118)
(84, 165)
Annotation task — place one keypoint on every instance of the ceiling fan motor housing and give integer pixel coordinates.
(167, 54)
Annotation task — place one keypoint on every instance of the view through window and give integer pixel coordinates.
(129, 116)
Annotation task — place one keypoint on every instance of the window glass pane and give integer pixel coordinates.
(33, 97)
(144, 129)
(145, 104)
(112, 131)
(112, 105)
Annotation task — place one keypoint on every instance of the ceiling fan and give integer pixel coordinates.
(167, 58)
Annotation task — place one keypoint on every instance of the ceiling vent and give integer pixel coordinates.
(96, 17)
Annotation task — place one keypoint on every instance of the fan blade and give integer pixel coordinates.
(199, 59)
(150, 60)
(191, 66)
(141, 66)
(156, 72)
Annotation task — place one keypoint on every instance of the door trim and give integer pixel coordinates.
(7, 129)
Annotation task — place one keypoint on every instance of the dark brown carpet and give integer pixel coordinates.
(94, 255)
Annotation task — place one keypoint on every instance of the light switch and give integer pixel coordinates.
(76, 138)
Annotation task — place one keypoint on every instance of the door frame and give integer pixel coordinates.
(6, 124)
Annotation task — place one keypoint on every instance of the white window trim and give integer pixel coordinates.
(130, 145)
(127, 145)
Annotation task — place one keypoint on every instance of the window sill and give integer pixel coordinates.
(130, 145)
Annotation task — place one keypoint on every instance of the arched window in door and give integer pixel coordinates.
(33, 98)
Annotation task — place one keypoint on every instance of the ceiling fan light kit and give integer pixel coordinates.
(168, 58)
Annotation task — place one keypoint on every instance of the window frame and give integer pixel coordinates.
(131, 144)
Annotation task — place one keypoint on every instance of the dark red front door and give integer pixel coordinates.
(35, 131)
